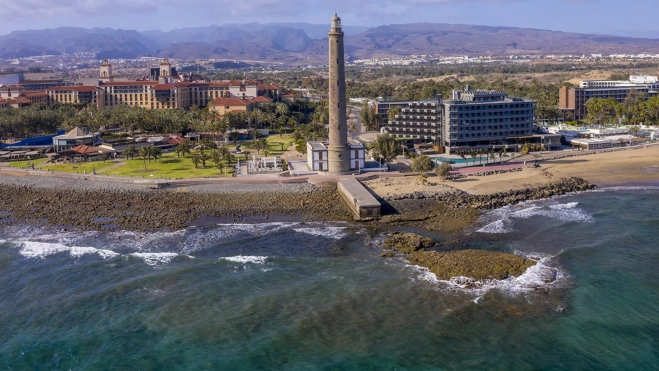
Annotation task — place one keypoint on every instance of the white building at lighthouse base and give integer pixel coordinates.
(317, 153)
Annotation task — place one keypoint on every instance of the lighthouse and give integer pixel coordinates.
(338, 151)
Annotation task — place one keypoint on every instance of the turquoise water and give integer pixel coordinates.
(313, 296)
(458, 160)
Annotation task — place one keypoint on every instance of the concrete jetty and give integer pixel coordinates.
(359, 199)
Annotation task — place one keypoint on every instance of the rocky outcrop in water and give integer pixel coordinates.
(474, 264)
(408, 243)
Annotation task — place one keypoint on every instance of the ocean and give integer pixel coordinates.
(312, 296)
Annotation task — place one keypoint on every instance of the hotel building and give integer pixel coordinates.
(471, 119)
(574, 99)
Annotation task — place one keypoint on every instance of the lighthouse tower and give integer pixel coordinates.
(338, 152)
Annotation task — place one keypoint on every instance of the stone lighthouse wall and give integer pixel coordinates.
(338, 150)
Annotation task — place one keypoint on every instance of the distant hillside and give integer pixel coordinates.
(306, 43)
(12, 48)
(449, 39)
(236, 32)
(109, 43)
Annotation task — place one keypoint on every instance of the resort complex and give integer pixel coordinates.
(164, 89)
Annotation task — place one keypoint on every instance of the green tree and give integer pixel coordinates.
(393, 112)
(195, 160)
(301, 146)
(423, 164)
(443, 170)
(216, 158)
(205, 145)
(203, 157)
(385, 148)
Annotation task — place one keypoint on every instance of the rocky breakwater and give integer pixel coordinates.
(144, 209)
(456, 198)
(474, 264)
(496, 200)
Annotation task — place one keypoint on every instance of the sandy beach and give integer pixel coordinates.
(627, 167)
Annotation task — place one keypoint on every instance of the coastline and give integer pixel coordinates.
(449, 206)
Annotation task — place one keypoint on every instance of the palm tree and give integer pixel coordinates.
(393, 112)
(490, 155)
(131, 151)
(145, 153)
(156, 153)
(257, 116)
(235, 135)
(502, 153)
(464, 158)
(182, 149)
(206, 144)
(260, 144)
(281, 109)
(352, 128)
(474, 154)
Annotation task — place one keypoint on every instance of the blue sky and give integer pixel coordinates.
(629, 18)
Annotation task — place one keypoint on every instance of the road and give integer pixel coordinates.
(361, 133)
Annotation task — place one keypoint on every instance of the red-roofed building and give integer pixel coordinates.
(289, 97)
(262, 100)
(176, 140)
(18, 102)
(3, 103)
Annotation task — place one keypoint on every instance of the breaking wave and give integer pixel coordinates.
(502, 220)
(34, 249)
(154, 259)
(246, 259)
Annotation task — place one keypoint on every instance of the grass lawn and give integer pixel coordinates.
(80, 167)
(276, 144)
(169, 166)
(28, 163)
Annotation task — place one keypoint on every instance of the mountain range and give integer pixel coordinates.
(306, 43)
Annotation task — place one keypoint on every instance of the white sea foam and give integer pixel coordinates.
(256, 228)
(630, 188)
(155, 259)
(246, 259)
(147, 240)
(335, 233)
(36, 249)
(570, 205)
(498, 226)
(540, 276)
(501, 220)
